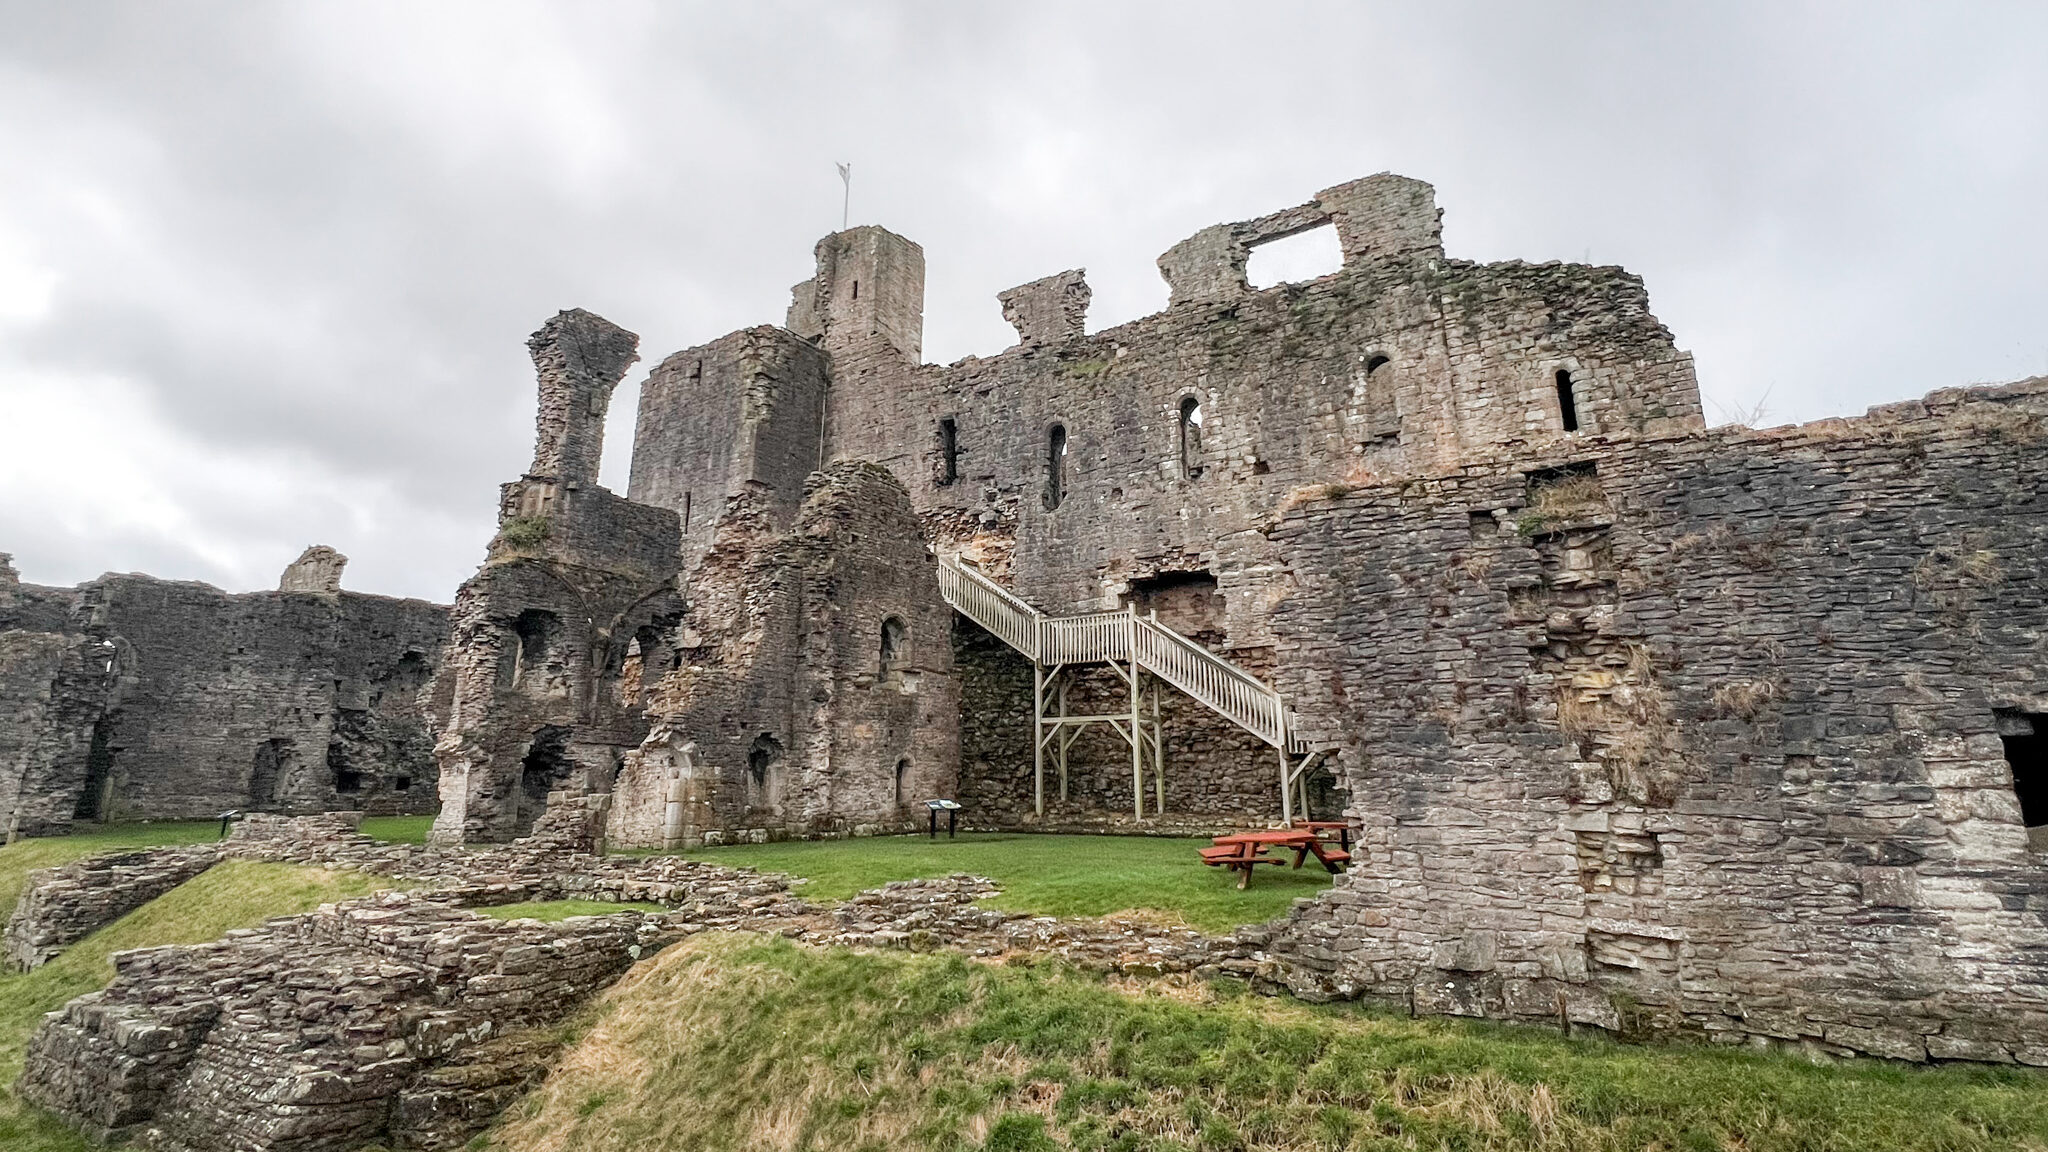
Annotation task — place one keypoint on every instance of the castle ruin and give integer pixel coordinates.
(1735, 732)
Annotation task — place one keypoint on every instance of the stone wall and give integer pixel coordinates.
(135, 698)
(61, 906)
(737, 415)
(1701, 733)
(554, 643)
(324, 1030)
(1182, 431)
(815, 692)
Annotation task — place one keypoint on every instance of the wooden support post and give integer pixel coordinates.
(1158, 756)
(1137, 741)
(1038, 738)
(1286, 788)
(1065, 738)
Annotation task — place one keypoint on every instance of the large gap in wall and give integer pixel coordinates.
(2025, 735)
(1186, 602)
(545, 768)
(99, 771)
(1302, 256)
(615, 469)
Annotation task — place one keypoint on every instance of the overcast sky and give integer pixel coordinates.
(267, 269)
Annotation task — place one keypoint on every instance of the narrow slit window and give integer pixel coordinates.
(902, 775)
(949, 451)
(1055, 466)
(1191, 438)
(686, 511)
(1567, 403)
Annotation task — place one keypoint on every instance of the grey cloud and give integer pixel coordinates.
(340, 221)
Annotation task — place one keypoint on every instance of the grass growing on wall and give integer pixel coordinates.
(729, 1042)
(1044, 875)
(233, 894)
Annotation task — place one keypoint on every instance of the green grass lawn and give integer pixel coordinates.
(727, 1042)
(20, 858)
(233, 894)
(398, 829)
(1043, 875)
(554, 911)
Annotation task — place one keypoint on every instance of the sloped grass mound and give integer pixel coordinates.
(729, 1042)
(1044, 875)
(232, 894)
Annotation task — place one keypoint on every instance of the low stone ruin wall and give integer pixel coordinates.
(407, 1019)
(63, 905)
(319, 1031)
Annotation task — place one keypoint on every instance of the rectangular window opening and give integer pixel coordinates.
(1308, 255)
(949, 451)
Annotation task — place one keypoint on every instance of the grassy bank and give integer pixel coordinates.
(1043, 875)
(733, 1043)
(234, 894)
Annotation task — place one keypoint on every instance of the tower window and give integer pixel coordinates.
(686, 511)
(1055, 466)
(895, 645)
(949, 451)
(1567, 404)
(1375, 363)
(1191, 437)
(902, 774)
(856, 289)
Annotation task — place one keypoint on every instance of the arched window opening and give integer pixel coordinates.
(537, 632)
(1191, 437)
(1567, 404)
(1055, 466)
(273, 766)
(99, 774)
(902, 778)
(546, 767)
(764, 770)
(1375, 362)
(895, 647)
(949, 451)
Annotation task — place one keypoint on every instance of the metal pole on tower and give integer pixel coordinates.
(846, 201)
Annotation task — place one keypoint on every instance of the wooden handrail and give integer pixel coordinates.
(1098, 637)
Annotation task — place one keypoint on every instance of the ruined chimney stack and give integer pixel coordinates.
(580, 357)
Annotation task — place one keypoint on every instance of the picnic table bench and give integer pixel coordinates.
(1243, 852)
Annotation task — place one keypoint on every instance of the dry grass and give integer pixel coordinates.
(1745, 699)
(1948, 566)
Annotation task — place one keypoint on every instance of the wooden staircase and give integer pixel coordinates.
(1144, 653)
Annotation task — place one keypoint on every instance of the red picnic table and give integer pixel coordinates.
(1242, 852)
